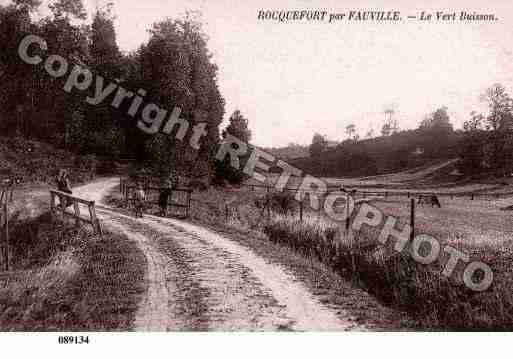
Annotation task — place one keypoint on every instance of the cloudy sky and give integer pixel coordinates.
(294, 79)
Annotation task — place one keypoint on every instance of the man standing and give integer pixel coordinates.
(165, 193)
(139, 199)
(63, 185)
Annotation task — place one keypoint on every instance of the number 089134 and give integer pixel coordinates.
(73, 339)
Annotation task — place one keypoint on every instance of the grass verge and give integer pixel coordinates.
(64, 278)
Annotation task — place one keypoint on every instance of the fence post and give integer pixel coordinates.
(52, 203)
(226, 212)
(189, 194)
(6, 236)
(301, 211)
(412, 219)
(94, 220)
(348, 218)
(63, 202)
(77, 213)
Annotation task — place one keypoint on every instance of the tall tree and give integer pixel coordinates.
(351, 131)
(29, 5)
(104, 50)
(472, 145)
(238, 128)
(176, 70)
(68, 9)
(390, 125)
(438, 121)
(499, 123)
(105, 60)
(386, 130)
(318, 146)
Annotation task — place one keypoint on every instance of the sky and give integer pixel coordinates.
(294, 79)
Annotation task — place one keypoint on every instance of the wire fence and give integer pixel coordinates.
(261, 197)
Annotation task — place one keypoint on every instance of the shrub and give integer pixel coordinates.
(198, 185)
(279, 202)
(107, 167)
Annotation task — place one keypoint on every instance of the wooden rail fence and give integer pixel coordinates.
(67, 200)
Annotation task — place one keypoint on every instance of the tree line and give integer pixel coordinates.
(484, 145)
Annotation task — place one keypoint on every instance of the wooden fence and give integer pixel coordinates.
(67, 200)
(128, 189)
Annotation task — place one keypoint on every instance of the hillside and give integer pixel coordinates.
(33, 162)
(289, 152)
(402, 151)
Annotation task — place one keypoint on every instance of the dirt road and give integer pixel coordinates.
(199, 280)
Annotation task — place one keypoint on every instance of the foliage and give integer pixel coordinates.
(488, 139)
(289, 152)
(238, 128)
(318, 146)
(380, 155)
(279, 202)
(437, 122)
(175, 67)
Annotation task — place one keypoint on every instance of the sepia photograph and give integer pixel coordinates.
(204, 168)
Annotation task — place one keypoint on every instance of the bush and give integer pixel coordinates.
(107, 167)
(279, 202)
(198, 185)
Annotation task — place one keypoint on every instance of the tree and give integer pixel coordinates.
(386, 130)
(499, 123)
(472, 145)
(436, 133)
(238, 128)
(318, 146)
(351, 131)
(29, 5)
(68, 9)
(103, 47)
(176, 69)
(390, 125)
(105, 58)
(438, 121)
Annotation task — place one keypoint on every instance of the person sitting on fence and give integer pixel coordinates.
(165, 193)
(63, 185)
(139, 199)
